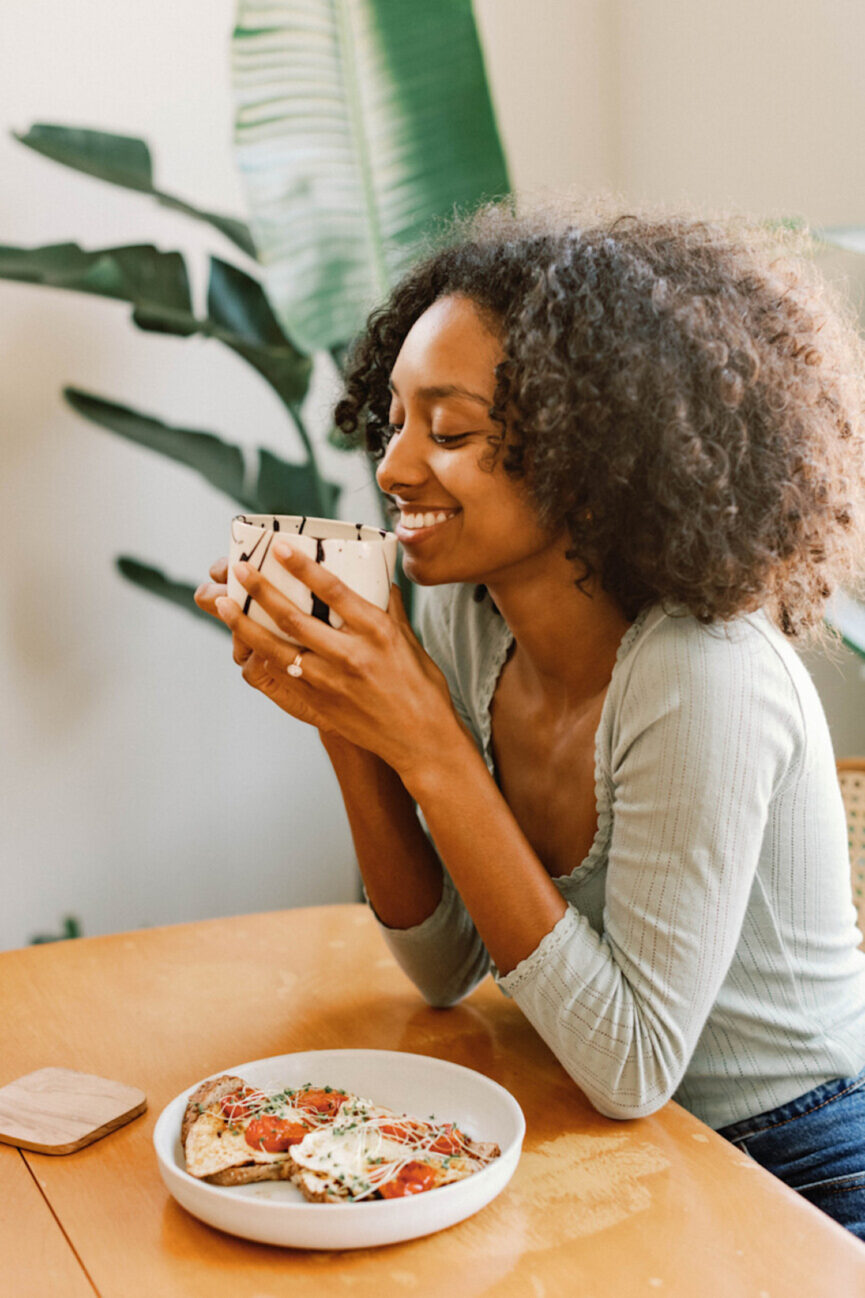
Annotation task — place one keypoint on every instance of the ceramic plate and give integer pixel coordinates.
(275, 1212)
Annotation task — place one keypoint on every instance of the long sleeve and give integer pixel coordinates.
(444, 956)
(703, 733)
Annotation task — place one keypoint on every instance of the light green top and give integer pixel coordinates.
(709, 949)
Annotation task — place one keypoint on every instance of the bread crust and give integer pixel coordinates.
(248, 1172)
(207, 1093)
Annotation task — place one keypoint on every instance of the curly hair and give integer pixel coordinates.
(684, 394)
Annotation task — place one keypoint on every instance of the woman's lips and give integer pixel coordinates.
(411, 535)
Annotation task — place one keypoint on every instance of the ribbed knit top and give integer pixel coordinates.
(709, 949)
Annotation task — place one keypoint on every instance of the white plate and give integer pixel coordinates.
(275, 1212)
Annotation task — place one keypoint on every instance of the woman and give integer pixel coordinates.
(626, 455)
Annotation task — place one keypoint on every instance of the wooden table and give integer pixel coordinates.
(597, 1209)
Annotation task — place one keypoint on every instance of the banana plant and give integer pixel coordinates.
(846, 614)
(361, 126)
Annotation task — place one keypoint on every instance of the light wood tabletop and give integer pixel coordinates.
(596, 1208)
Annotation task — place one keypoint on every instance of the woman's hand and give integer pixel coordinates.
(370, 682)
(207, 595)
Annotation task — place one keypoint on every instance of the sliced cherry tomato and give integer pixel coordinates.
(414, 1178)
(273, 1134)
(404, 1132)
(320, 1101)
(238, 1104)
(449, 1142)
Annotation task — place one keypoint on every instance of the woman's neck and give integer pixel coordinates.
(566, 640)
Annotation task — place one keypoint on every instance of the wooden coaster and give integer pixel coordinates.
(59, 1110)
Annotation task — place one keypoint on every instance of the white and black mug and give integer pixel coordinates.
(361, 556)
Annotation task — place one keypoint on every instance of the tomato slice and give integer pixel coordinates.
(238, 1105)
(413, 1178)
(450, 1142)
(320, 1101)
(274, 1135)
(404, 1132)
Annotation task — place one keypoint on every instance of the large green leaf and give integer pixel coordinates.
(155, 582)
(283, 488)
(122, 160)
(280, 487)
(361, 125)
(221, 464)
(240, 315)
(139, 273)
(157, 285)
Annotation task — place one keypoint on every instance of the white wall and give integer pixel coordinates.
(140, 781)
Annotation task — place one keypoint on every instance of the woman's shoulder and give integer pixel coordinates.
(742, 674)
(670, 645)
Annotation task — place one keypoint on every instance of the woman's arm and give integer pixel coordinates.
(401, 872)
(501, 880)
(423, 920)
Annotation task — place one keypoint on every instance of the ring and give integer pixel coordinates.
(296, 668)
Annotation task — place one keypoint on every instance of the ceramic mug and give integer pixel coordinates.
(361, 556)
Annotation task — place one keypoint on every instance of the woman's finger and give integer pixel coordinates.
(239, 651)
(306, 630)
(354, 610)
(207, 595)
(267, 646)
(219, 570)
(288, 694)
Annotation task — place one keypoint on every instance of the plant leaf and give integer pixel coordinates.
(157, 285)
(847, 616)
(280, 487)
(361, 125)
(122, 160)
(284, 488)
(240, 315)
(849, 237)
(339, 442)
(221, 464)
(71, 928)
(138, 273)
(156, 583)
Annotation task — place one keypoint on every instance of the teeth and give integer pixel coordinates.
(415, 521)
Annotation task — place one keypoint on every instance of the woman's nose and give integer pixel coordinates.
(401, 464)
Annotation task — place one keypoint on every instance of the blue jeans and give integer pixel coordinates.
(816, 1144)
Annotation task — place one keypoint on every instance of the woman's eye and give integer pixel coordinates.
(441, 439)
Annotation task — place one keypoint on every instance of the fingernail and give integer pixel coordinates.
(222, 605)
(241, 570)
(283, 550)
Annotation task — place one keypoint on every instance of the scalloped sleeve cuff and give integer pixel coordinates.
(443, 955)
(544, 954)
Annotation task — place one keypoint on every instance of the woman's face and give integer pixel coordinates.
(442, 386)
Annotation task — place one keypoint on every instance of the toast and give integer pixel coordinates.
(333, 1146)
(206, 1125)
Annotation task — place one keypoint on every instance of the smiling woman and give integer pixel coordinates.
(458, 519)
(627, 454)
